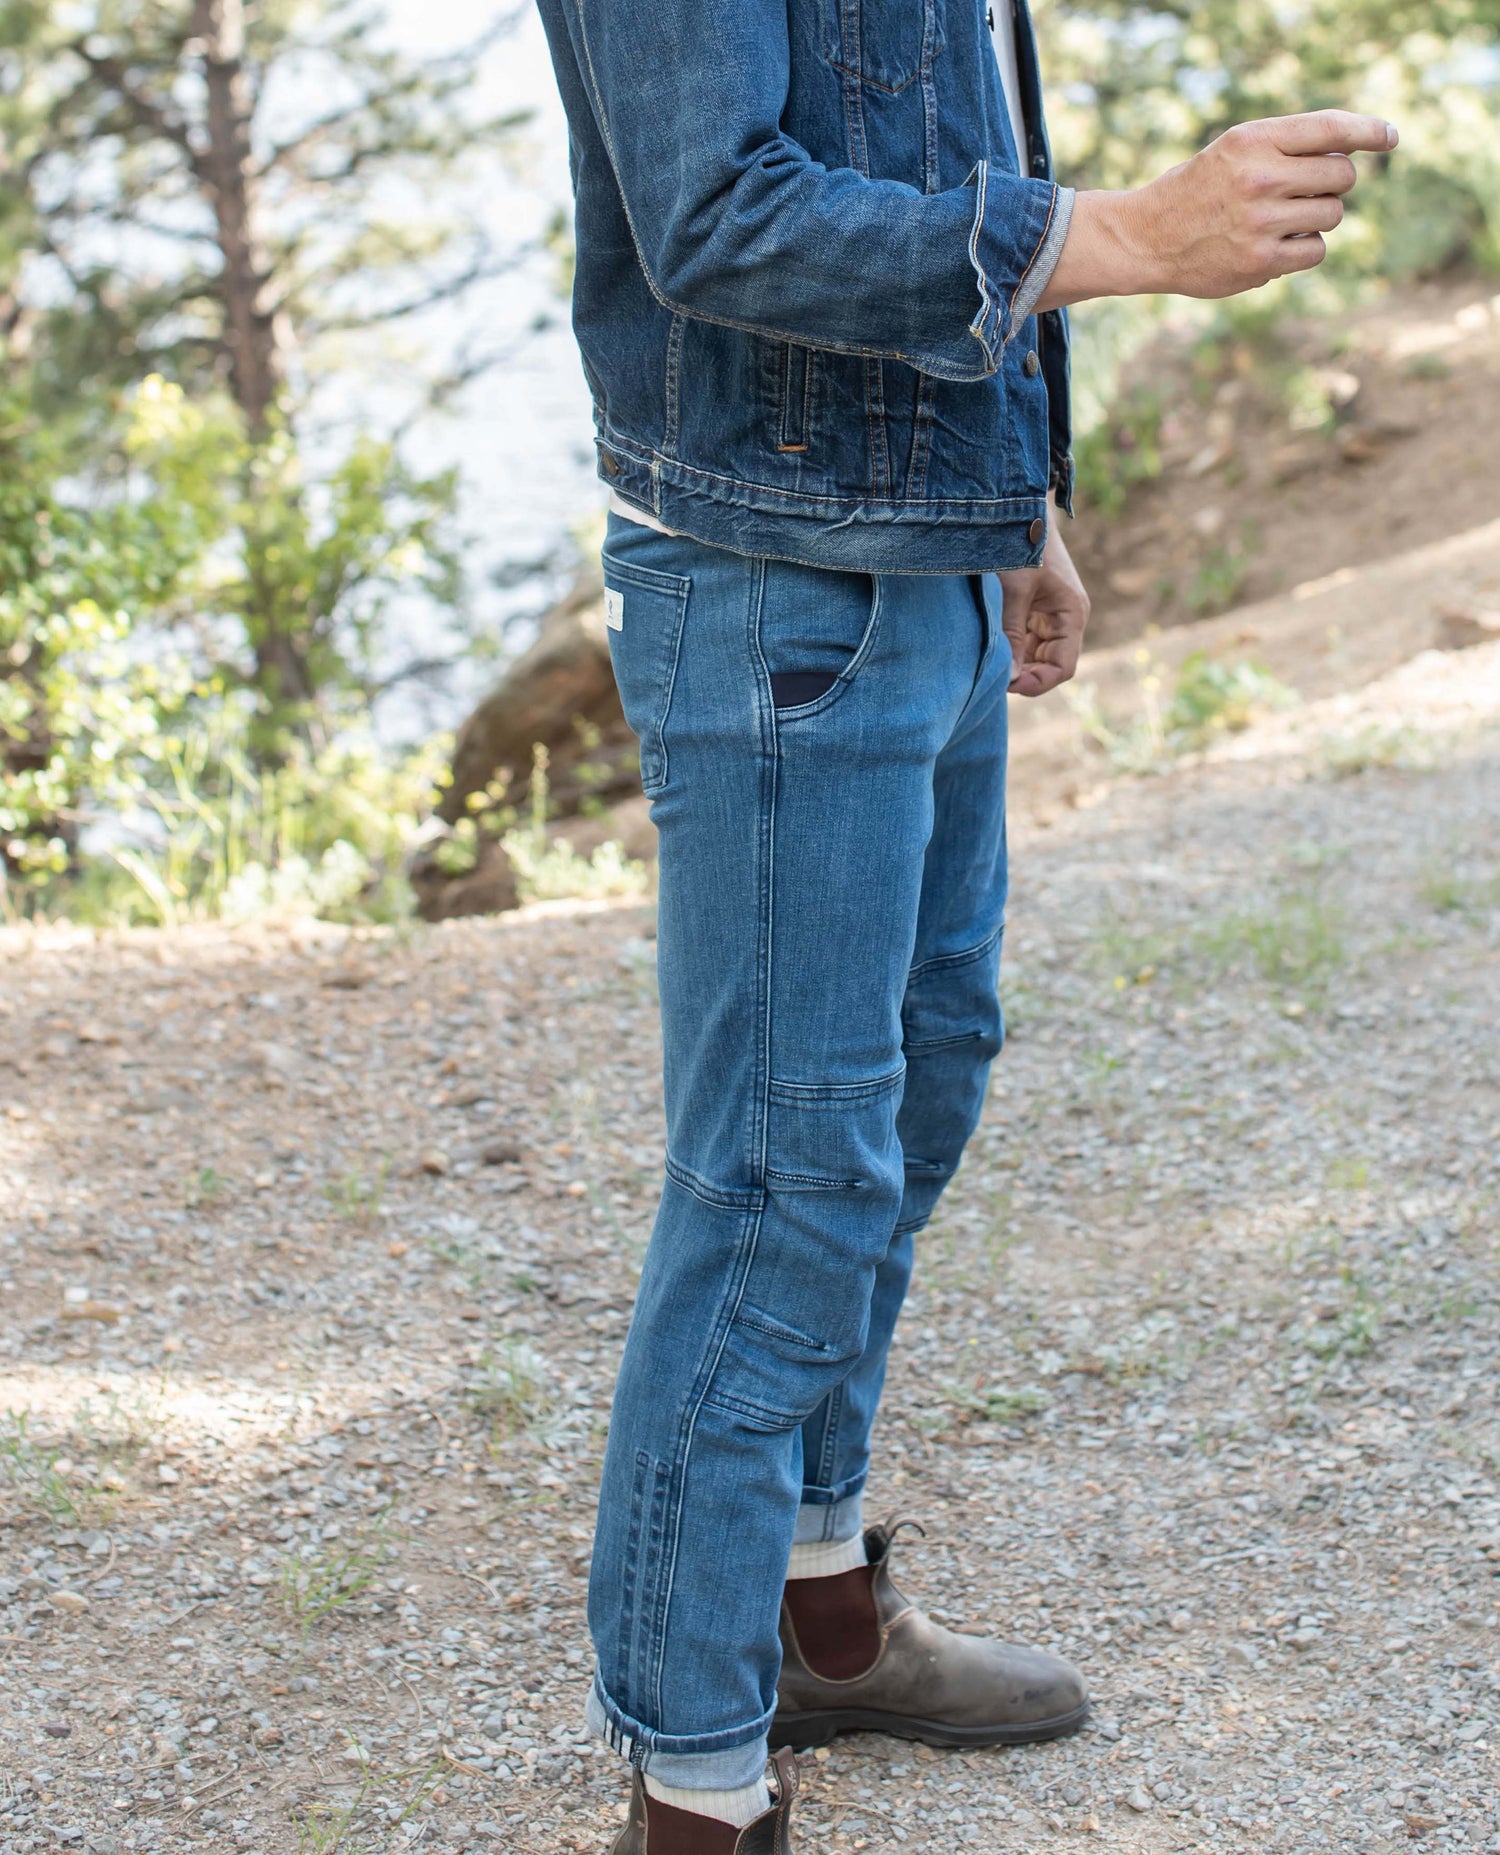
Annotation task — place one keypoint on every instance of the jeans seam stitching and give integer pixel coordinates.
(964, 958)
(750, 1239)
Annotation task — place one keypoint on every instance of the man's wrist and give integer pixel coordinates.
(1109, 250)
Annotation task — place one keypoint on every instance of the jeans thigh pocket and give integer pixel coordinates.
(644, 611)
(816, 630)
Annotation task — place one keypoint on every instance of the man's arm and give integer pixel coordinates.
(734, 222)
(1251, 206)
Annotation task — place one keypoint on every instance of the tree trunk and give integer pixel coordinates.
(256, 362)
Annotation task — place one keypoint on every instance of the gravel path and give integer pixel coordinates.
(316, 1252)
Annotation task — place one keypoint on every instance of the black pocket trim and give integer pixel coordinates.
(791, 688)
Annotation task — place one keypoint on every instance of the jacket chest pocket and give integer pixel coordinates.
(884, 43)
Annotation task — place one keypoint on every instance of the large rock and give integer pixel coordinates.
(560, 695)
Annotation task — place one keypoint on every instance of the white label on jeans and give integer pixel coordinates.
(614, 609)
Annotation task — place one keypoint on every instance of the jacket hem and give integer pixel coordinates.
(852, 534)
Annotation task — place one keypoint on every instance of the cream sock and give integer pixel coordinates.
(824, 1557)
(737, 1808)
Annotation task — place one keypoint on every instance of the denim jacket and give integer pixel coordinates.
(806, 266)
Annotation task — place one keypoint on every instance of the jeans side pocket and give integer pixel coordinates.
(645, 612)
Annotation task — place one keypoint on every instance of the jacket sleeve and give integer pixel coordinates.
(735, 223)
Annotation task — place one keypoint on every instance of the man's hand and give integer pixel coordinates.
(1046, 609)
(1251, 206)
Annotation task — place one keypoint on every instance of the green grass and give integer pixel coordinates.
(341, 1828)
(330, 1577)
(512, 1391)
(37, 1472)
(1453, 889)
(356, 1197)
(1210, 697)
(1380, 745)
(1296, 943)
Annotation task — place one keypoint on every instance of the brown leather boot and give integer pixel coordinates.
(858, 1658)
(660, 1829)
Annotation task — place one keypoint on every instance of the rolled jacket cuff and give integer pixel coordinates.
(1039, 275)
(1011, 236)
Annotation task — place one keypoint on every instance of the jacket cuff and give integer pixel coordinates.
(1014, 246)
(1039, 275)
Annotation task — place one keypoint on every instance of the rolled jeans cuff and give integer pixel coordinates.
(823, 1522)
(719, 1768)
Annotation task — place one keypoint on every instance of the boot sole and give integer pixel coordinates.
(802, 1731)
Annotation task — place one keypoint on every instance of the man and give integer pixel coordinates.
(822, 269)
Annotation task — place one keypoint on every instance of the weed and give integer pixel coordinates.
(357, 1198)
(1379, 745)
(550, 869)
(1349, 1334)
(512, 1390)
(38, 1472)
(1210, 698)
(1458, 891)
(205, 1189)
(328, 1578)
(996, 1403)
(340, 1828)
(113, 1428)
(1296, 944)
(1218, 579)
(1348, 1175)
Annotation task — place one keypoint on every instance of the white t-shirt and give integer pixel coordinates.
(1003, 31)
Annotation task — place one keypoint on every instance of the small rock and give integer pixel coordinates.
(501, 1153)
(269, 1736)
(56, 1729)
(1180, 1620)
(101, 1311)
(166, 1474)
(434, 1160)
(1138, 1801)
(277, 1062)
(1461, 627)
(71, 1603)
(92, 1031)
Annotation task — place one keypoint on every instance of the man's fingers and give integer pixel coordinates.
(1046, 626)
(1035, 679)
(1310, 175)
(1320, 215)
(1330, 131)
(1300, 254)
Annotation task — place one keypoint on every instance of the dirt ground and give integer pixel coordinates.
(317, 1250)
(1247, 505)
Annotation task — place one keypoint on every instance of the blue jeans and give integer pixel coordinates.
(825, 754)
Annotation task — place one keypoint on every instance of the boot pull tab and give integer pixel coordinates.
(894, 1528)
(785, 1761)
